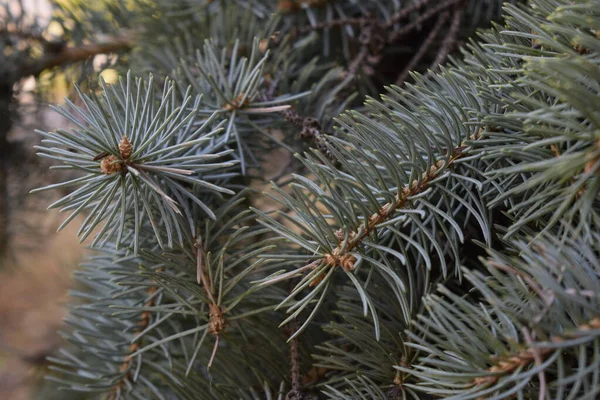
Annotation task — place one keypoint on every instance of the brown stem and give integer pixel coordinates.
(216, 322)
(295, 367)
(397, 17)
(296, 392)
(310, 130)
(358, 61)
(69, 55)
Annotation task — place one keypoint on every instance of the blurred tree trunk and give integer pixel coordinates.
(6, 99)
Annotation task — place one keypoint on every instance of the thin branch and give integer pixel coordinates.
(295, 366)
(450, 38)
(397, 35)
(70, 55)
(216, 323)
(394, 19)
(358, 61)
(400, 15)
(144, 322)
(442, 18)
(509, 363)
(340, 256)
(310, 130)
(334, 23)
(538, 362)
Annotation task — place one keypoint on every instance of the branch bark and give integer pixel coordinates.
(70, 55)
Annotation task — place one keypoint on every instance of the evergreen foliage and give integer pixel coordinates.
(438, 241)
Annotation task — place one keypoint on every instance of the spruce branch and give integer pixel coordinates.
(217, 322)
(125, 367)
(516, 334)
(399, 197)
(405, 12)
(341, 255)
(295, 363)
(131, 146)
(352, 247)
(231, 87)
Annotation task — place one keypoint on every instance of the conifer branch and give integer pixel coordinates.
(341, 255)
(295, 362)
(144, 322)
(216, 323)
(508, 363)
(404, 195)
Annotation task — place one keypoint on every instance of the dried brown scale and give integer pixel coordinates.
(589, 165)
(591, 162)
(217, 323)
(263, 45)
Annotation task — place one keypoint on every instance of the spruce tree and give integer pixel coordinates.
(436, 235)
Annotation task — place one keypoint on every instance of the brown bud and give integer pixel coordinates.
(125, 148)
(110, 165)
(263, 45)
(286, 6)
(237, 103)
(348, 261)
